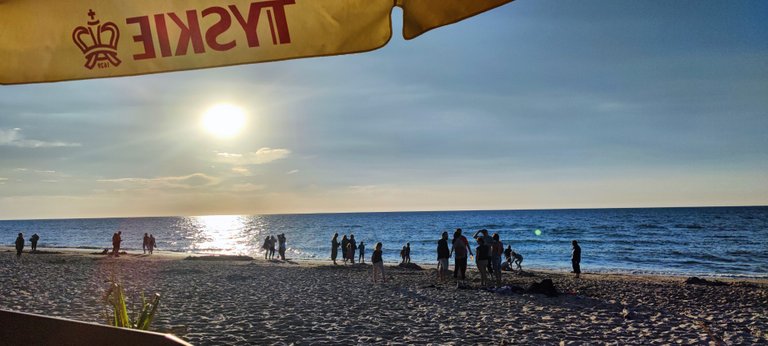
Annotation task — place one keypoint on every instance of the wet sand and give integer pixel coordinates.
(238, 302)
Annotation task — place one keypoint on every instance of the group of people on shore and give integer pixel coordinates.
(349, 248)
(148, 244)
(20, 243)
(487, 255)
(269, 246)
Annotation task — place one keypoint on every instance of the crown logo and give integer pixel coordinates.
(98, 42)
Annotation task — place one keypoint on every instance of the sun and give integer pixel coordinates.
(223, 120)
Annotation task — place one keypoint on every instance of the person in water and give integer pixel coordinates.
(335, 247)
(576, 258)
(19, 245)
(378, 263)
(33, 239)
(361, 249)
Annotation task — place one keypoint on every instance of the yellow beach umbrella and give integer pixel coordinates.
(57, 40)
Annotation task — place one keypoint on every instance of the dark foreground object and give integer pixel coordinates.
(219, 258)
(20, 328)
(696, 281)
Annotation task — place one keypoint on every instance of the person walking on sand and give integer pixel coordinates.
(352, 248)
(576, 258)
(19, 245)
(33, 239)
(152, 245)
(378, 263)
(335, 247)
(145, 243)
(460, 247)
(407, 252)
(116, 240)
(482, 261)
(361, 249)
(443, 253)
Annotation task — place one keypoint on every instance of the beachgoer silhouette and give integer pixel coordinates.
(33, 239)
(116, 240)
(508, 253)
(518, 260)
(497, 249)
(265, 246)
(273, 249)
(352, 248)
(407, 252)
(344, 245)
(378, 263)
(334, 247)
(482, 260)
(460, 247)
(361, 249)
(443, 253)
(281, 247)
(152, 244)
(576, 258)
(402, 255)
(19, 245)
(488, 240)
(145, 242)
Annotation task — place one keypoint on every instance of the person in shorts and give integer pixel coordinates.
(443, 253)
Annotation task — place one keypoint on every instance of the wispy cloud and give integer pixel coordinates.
(194, 180)
(14, 138)
(293, 171)
(261, 156)
(241, 170)
(3, 180)
(247, 187)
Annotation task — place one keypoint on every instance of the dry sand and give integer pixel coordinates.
(298, 302)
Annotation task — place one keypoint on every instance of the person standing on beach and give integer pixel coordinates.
(281, 247)
(352, 248)
(378, 263)
(19, 245)
(407, 252)
(508, 253)
(497, 250)
(576, 258)
(482, 260)
(152, 245)
(272, 243)
(402, 255)
(443, 253)
(488, 240)
(361, 248)
(460, 247)
(344, 244)
(33, 239)
(116, 240)
(145, 242)
(334, 247)
(265, 246)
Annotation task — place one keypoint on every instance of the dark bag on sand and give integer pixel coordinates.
(546, 287)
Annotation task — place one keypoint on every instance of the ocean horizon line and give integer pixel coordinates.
(384, 212)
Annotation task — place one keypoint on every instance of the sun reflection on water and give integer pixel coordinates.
(222, 234)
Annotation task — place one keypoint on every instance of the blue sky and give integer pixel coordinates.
(536, 104)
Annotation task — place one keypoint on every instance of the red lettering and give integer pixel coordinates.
(162, 35)
(144, 36)
(189, 33)
(249, 26)
(224, 23)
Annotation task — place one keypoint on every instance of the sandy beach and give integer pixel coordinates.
(210, 302)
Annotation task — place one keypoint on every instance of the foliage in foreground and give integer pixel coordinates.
(115, 297)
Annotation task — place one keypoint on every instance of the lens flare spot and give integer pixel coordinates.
(537, 232)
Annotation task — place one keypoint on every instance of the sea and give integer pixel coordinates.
(702, 241)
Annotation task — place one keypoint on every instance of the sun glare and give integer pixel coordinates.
(224, 120)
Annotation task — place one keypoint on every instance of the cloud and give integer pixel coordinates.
(45, 172)
(191, 181)
(14, 138)
(261, 156)
(3, 180)
(247, 187)
(294, 171)
(241, 170)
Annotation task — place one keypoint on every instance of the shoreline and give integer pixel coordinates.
(618, 273)
(244, 302)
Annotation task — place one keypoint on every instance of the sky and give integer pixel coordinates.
(534, 105)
